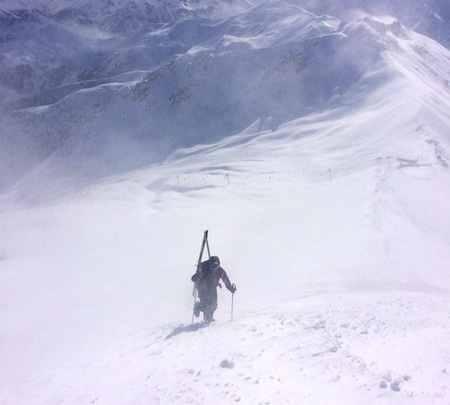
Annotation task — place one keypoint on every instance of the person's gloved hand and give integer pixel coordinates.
(233, 288)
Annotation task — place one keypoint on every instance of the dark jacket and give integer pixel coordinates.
(207, 279)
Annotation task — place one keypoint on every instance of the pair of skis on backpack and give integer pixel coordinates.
(213, 265)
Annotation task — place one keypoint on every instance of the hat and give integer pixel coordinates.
(214, 259)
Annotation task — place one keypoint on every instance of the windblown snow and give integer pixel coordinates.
(314, 149)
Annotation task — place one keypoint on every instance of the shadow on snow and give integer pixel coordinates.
(187, 328)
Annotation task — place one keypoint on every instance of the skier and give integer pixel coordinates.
(207, 279)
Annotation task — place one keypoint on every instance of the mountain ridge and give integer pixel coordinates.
(313, 145)
(214, 77)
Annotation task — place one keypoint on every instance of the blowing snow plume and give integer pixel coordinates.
(313, 146)
(178, 75)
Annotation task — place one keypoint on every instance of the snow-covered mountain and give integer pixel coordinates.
(311, 140)
(66, 71)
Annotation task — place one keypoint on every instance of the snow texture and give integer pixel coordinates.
(313, 146)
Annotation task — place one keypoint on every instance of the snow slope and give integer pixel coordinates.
(342, 274)
(82, 87)
(333, 224)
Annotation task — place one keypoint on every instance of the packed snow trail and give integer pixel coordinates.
(348, 347)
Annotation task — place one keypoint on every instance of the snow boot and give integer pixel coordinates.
(197, 309)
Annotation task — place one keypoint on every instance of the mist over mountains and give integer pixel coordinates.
(311, 138)
(95, 88)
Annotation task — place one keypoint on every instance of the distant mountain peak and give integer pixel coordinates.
(169, 74)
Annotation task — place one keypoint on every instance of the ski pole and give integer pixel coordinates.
(194, 293)
(232, 302)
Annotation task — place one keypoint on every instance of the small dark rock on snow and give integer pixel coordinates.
(226, 364)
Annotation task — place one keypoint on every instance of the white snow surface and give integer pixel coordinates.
(334, 226)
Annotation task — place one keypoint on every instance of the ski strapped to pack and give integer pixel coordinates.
(204, 243)
(199, 265)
